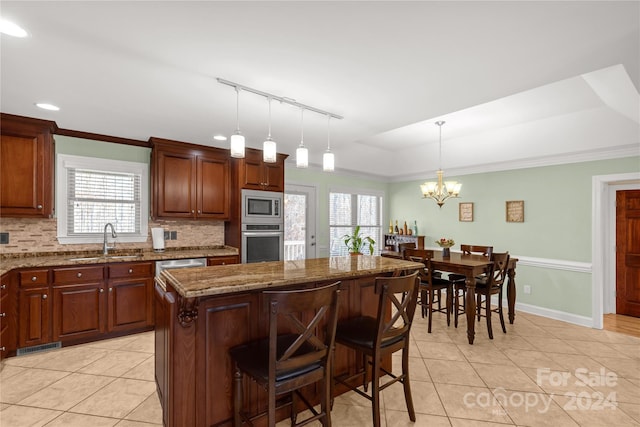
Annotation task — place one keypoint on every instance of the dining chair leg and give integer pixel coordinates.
(375, 391)
(456, 304)
(504, 329)
(423, 302)
(271, 415)
(430, 310)
(365, 383)
(326, 396)
(407, 386)
(448, 305)
(488, 314)
(479, 304)
(439, 300)
(294, 406)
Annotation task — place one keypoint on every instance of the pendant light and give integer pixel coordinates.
(237, 139)
(302, 154)
(328, 159)
(437, 190)
(269, 145)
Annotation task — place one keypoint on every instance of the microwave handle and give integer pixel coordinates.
(262, 233)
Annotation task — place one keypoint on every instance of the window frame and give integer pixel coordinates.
(355, 192)
(66, 161)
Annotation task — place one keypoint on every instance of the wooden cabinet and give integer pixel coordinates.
(391, 241)
(255, 174)
(26, 167)
(83, 303)
(190, 181)
(78, 303)
(34, 308)
(130, 296)
(8, 313)
(223, 260)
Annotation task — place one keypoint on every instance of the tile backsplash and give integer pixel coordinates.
(39, 235)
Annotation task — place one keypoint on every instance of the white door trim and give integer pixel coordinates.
(603, 220)
(312, 224)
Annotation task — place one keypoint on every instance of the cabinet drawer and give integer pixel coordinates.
(222, 260)
(78, 274)
(34, 278)
(141, 269)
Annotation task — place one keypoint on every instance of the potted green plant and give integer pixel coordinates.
(356, 242)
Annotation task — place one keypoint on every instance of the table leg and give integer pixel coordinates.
(470, 281)
(511, 294)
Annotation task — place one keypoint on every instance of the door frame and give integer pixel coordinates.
(312, 198)
(603, 224)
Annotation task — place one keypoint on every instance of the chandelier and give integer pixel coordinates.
(440, 191)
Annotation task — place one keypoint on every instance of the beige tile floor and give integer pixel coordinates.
(541, 373)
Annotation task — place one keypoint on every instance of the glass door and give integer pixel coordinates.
(299, 222)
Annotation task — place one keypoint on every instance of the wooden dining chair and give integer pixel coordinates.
(375, 338)
(459, 288)
(493, 285)
(431, 286)
(283, 363)
(406, 245)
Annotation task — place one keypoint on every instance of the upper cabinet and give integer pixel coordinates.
(190, 181)
(26, 167)
(255, 174)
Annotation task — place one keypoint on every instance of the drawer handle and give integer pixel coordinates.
(110, 289)
(39, 206)
(3, 286)
(44, 296)
(101, 290)
(130, 270)
(79, 275)
(2, 348)
(34, 278)
(3, 314)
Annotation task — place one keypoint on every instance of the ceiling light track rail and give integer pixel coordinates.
(282, 99)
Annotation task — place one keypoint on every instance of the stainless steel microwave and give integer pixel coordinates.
(261, 207)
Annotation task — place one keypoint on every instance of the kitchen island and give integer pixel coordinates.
(202, 312)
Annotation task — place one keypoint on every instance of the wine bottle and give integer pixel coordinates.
(404, 228)
(396, 230)
(415, 228)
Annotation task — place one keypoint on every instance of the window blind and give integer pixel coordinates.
(97, 197)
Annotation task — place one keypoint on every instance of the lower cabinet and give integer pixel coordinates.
(84, 303)
(8, 314)
(223, 260)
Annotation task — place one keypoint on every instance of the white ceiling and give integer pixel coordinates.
(518, 83)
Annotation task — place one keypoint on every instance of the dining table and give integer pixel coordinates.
(470, 266)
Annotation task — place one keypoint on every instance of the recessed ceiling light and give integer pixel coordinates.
(12, 29)
(220, 138)
(46, 106)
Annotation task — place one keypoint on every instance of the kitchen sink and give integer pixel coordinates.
(94, 258)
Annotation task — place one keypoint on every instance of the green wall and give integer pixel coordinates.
(100, 149)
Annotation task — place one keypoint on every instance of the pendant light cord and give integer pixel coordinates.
(237, 109)
(328, 133)
(440, 123)
(269, 117)
(302, 127)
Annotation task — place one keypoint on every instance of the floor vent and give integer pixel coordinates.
(38, 348)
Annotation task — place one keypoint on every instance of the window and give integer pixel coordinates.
(93, 192)
(349, 209)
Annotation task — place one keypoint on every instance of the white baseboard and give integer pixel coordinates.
(576, 319)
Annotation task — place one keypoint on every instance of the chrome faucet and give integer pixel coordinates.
(105, 247)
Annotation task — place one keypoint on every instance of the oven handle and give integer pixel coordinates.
(262, 233)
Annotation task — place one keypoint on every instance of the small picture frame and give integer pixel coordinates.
(465, 212)
(515, 210)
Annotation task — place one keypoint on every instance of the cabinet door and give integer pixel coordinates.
(175, 176)
(8, 323)
(22, 183)
(274, 176)
(252, 171)
(78, 311)
(35, 312)
(130, 304)
(213, 187)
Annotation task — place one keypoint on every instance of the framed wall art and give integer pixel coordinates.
(515, 211)
(465, 212)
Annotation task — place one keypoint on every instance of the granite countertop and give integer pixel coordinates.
(47, 259)
(226, 279)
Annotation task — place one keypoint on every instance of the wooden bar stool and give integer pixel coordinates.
(283, 363)
(374, 338)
